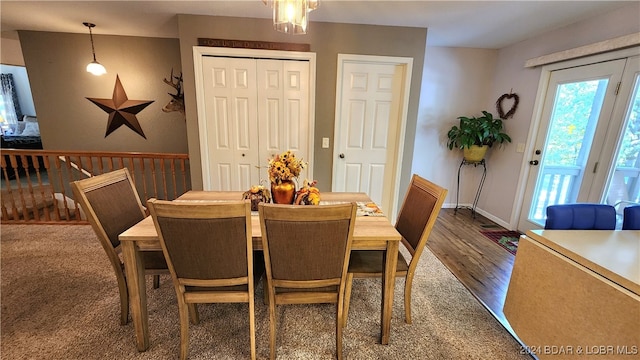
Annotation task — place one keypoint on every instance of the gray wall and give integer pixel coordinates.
(326, 40)
(60, 85)
(10, 50)
(455, 83)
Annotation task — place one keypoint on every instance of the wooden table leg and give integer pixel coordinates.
(137, 293)
(388, 286)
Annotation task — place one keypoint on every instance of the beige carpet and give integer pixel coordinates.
(59, 301)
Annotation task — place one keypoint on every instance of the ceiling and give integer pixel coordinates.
(479, 23)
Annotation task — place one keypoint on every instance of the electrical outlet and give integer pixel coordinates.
(325, 142)
(520, 148)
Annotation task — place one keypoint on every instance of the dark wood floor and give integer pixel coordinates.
(482, 266)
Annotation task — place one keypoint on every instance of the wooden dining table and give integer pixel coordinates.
(372, 232)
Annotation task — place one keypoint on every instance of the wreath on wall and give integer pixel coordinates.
(514, 106)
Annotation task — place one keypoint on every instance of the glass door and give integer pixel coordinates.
(623, 181)
(570, 139)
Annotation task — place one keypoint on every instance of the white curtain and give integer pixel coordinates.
(11, 108)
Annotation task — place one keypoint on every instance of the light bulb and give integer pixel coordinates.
(96, 68)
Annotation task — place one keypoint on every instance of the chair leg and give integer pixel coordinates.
(407, 298)
(252, 326)
(347, 299)
(183, 309)
(339, 325)
(124, 299)
(193, 313)
(272, 325)
(156, 281)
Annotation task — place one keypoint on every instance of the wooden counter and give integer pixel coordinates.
(576, 294)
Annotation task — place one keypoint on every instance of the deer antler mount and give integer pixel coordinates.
(177, 101)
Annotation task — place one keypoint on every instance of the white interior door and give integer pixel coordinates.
(232, 122)
(576, 118)
(371, 101)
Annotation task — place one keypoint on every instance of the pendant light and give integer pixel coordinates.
(94, 67)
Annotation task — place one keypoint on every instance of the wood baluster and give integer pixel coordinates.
(33, 192)
(153, 178)
(100, 166)
(10, 192)
(184, 176)
(35, 212)
(23, 203)
(164, 179)
(36, 165)
(173, 178)
(90, 165)
(56, 162)
(143, 171)
(81, 172)
(67, 213)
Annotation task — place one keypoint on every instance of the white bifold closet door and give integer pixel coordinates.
(254, 108)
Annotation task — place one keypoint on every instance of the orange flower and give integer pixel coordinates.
(285, 166)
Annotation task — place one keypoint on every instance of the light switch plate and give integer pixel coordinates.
(325, 142)
(520, 148)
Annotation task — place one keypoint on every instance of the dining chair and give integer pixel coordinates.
(631, 219)
(306, 252)
(418, 214)
(580, 216)
(111, 204)
(209, 252)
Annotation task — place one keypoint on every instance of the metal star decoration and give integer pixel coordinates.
(121, 110)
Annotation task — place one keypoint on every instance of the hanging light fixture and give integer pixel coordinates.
(291, 16)
(94, 67)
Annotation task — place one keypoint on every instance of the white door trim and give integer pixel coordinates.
(199, 52)
(398, 143)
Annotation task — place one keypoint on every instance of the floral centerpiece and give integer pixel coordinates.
(283, 168)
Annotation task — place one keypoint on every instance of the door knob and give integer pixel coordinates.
(533, 162)
(341, 156)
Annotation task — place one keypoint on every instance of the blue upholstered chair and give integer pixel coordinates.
(631, 220)
(581, 216)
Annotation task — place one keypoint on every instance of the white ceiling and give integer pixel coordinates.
(479, 23)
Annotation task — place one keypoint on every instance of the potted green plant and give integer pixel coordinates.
(475, 134)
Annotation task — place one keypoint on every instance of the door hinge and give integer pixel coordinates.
(595, 167)
(618, 87)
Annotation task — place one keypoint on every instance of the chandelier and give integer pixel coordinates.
(291, 16)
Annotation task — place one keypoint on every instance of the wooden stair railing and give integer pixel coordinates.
(35, 183)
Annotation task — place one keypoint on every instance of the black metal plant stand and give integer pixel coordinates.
(484, 175)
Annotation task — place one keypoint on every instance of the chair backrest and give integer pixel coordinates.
(581, 216)
(206, 244)
(631, 220)
(111, 204)
(305, 242)
(418, 214)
